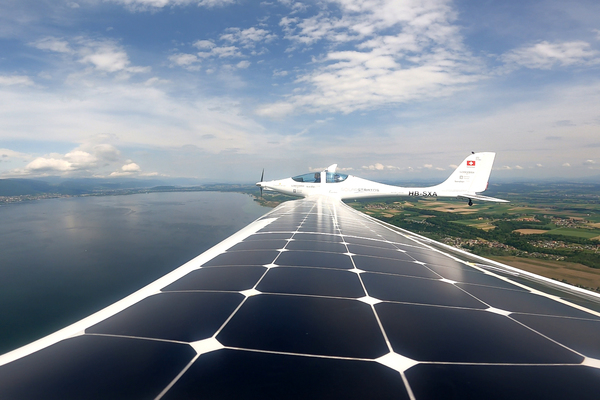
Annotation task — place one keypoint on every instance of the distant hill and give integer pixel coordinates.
(17, 187)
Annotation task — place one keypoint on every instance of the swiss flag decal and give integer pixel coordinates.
(470, 163)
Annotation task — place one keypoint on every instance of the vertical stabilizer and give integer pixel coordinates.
(471, 176)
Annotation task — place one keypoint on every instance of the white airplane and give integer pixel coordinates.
(467, 181)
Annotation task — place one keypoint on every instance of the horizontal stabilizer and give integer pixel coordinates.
(482, 198)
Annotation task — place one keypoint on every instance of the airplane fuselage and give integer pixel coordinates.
(469, 178)
(353, 187)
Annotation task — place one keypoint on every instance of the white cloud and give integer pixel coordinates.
(394, 52)
(53, 44)
(224, 51)
(14, 80)
(183, 59)
(275, 110)
(380, 167)
(6, 154)
(186, 61)
(101, 55)
(243, 64)
(248, 37)
(144, 5)
(79, 159)
(106, 56)
(204, 44)
(120, 173)
(566, 164)
(545, 55)
(131, 167)
(87, 158)
(42, 164)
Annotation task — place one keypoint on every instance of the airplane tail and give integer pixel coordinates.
(471, 176)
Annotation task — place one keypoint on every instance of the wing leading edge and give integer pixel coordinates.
(318, 300)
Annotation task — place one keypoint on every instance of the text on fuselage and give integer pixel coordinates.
(423, 194)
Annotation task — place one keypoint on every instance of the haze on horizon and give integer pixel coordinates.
(219, 89)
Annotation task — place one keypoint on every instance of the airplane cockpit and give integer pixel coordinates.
(315, 177)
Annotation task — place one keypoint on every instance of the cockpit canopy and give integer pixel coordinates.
(315, 177)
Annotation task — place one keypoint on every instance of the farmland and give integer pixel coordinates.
(549, 229)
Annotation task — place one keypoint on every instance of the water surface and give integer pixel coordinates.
(63, 259)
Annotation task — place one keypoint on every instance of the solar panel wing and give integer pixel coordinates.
(316, 300)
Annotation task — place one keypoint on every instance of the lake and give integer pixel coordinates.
(63, 259)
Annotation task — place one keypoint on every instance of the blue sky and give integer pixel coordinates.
(218, 90)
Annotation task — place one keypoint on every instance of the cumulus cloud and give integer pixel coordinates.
(42, 164)
(89, 157)
(545, 55)
(394, 52)
(566, 164)
(131, 167)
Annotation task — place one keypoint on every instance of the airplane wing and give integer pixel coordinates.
(317, 300)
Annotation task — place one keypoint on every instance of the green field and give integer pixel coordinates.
(580, 233)
(549, 222)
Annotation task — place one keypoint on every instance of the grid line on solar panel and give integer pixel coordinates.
(581, 335)
(524, 302)
(223, 278)
(136, 337)
(234, 374)
(550, 338)
(71, 369)
(444, 334)
(418, 290)
(504, 382)
(308, 325)
(175, 316)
